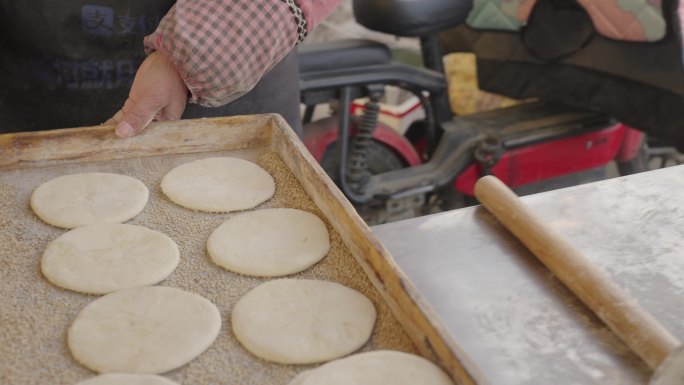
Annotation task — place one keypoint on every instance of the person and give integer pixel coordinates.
(81, 62)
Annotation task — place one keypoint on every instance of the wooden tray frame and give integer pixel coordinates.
(98, 143)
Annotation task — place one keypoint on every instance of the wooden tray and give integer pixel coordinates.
(34, 315)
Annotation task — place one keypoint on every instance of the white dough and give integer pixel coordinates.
(127, 379)
(218, 185)
(103, 258)
(297, 321)
(269, 242)
(374, 368)
(146, 330)
(70, 201)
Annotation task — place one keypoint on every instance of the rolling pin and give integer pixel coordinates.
(637, 328)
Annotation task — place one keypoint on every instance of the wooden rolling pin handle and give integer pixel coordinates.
(637, 328)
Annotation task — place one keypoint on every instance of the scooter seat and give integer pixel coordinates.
(341, 54)
(411, 17)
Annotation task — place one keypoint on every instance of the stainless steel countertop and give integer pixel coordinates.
(512, 317)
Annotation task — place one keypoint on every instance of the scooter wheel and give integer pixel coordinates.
(380, 159)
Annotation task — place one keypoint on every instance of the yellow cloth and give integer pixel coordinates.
(464, 95)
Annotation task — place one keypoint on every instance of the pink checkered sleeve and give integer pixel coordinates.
(223, 47)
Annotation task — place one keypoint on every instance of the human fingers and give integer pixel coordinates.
(171, 112)
(136, 115)
(114, 119)
(158, 91)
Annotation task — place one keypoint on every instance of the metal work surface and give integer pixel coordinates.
(518, 323)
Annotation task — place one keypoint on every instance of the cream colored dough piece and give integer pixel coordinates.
(127, 379)
(75, 200)
(296, 321)
(373, 368)
(146, 330)
(103, 258)
(269, 242)
(218, 185)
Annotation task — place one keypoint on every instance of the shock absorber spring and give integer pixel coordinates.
(357, 170)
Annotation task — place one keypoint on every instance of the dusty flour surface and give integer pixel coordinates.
(35, 315)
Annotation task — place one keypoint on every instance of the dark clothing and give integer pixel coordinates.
(71, 63)
(640, 84)
(278, 91)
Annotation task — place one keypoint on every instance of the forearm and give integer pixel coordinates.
(223, 47)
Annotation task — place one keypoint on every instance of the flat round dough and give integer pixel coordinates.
(145, 330)
(269, 242)
(127, 379)
(373, 368)
(103, 258)
(298, 321)
(218, 185)
(71, 201)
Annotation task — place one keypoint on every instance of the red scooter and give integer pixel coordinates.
(531, 147)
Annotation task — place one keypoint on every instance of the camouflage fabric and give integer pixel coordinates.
(630, 20)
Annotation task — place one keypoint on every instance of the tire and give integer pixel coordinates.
(380, 159)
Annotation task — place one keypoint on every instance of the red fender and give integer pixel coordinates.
(320, 134)
(631, 144)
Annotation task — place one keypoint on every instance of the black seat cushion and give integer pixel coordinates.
(342, 54)
(411, 17)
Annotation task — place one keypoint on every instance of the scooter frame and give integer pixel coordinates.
(453, 146)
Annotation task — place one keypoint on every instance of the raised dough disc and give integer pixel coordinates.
(269, 242)
(298, 321)
(103, 258)
(373, 368)
(76, 200)
(127, 379)
(218, 185)
(145, 330)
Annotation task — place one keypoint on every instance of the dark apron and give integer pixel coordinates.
(71, 63)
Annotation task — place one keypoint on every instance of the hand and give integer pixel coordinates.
(158, 93)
